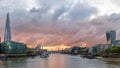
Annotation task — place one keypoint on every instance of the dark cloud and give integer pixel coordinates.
(34, 10)
(82, 12)
(59, 12)
(114, 18)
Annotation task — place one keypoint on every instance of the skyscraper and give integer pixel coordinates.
(7, 34)
(111, 36)
(108, 37)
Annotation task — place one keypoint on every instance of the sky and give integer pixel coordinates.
(60, 22)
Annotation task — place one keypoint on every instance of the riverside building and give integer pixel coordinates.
(11, 47)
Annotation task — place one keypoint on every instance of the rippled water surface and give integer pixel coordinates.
(57, 61)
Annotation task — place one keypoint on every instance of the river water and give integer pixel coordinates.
(57, 61)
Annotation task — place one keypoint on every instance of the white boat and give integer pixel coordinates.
(44, 54)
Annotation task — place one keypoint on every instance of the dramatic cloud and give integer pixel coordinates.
(57, 22)
(82, 12)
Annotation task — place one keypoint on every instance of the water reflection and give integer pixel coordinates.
(15, 62)
(113, 64)
(57, 61)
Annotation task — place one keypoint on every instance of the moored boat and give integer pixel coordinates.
(44, 54)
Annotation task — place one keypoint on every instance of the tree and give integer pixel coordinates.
(115, 49)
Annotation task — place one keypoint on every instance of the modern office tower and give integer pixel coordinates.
(111, 36)
(9, 46)
(108, 37)
(7, 34)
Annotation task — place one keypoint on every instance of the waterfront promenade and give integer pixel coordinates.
(57, 61)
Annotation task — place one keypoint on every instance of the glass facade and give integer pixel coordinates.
(13, 48)
(111, 36)
(7, 34)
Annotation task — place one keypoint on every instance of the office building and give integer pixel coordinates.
(8, 46)
(7, 34)
(111, 36)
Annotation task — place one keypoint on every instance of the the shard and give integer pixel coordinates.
(7, 34)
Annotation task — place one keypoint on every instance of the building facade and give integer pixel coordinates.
(98, 49)
(9, 46)
(111, 36)
(12, 47)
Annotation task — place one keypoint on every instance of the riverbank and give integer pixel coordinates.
(111, 55)
(109, 59)
(106, 57)
(12, 55)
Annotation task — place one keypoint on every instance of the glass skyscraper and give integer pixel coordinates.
(111, 36)
(7, 34)
(9, 46)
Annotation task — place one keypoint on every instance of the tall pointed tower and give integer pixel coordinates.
(7, 34)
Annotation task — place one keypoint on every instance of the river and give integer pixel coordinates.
(57, 61)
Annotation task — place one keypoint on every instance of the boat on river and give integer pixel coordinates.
(44, 54)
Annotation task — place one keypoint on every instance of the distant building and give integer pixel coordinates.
(94, 49)
(7, 34)
(108, 37)
(117, 43)
(38, 47)
(9, 46)
(67, 51)
(75, 49)
(111, 36)
(98, 49)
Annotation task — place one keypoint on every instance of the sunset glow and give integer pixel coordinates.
(54, 48)
(59, 33)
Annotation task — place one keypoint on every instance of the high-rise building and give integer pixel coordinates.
(7, 34)
(108, 37)
(111, 36)
(9, 46)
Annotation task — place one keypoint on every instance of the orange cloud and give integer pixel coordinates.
(57, 47)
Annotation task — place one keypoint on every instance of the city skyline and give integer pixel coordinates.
(59, 34)
(68, 23)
